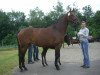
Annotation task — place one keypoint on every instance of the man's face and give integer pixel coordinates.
(83, 25)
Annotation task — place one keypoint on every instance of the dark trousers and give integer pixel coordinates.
(31, 53)
(35, 54)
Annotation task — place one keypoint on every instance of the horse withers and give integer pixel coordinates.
(50, 37)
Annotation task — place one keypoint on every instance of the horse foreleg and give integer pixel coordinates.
(57, 56)
(59, 61)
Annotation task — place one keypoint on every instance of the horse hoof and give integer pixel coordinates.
(59, 63)
(21, 70)
(43, 65)
(46, 64)
(57, 67)
(25, 69)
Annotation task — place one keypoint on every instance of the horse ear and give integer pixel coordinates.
(70, 10)
(73, 10)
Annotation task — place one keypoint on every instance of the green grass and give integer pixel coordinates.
(9, 59)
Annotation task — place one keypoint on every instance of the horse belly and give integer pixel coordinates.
(48, 42)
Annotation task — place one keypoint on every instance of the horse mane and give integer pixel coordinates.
(59, 19)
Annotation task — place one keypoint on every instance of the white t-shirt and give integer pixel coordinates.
(83, 34)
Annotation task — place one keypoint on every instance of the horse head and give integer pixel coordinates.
(72, 18)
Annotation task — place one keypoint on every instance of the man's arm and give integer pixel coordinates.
(86, 33)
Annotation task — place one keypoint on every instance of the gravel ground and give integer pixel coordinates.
(71, 59)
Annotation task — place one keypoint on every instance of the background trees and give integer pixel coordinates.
(12, 22)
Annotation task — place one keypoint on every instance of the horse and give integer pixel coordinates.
(67, 39)
(50, 37)
(71, 40)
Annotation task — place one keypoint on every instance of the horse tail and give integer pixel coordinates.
(18, 44)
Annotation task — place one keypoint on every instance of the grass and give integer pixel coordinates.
(9, 59)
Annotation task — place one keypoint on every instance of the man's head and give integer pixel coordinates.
(83, 24)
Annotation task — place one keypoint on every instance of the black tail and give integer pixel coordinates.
(18, 44)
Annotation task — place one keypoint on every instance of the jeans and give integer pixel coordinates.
(35, 52)
(31, 53)
(84, 46)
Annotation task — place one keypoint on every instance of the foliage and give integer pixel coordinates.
(12, 22)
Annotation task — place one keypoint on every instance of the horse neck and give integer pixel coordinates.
(61, 26)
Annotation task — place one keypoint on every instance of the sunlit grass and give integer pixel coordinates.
(8, 60)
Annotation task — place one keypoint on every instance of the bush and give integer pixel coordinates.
(10, 39)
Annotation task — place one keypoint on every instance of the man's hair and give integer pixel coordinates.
(83, 22)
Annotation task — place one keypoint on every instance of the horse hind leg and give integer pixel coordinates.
(22, 53)
(45, 51)
(23, 62)
(42, 58)
(20, 62)
(44, 62)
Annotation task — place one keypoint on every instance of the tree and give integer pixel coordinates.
(35, 17)
(97, 23)
(17, 20)
(10, 23)
(4, 25)
(87, 12)
(54, 15)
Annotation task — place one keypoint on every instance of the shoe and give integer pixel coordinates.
(30, 62)
(83, 66)
(38, 59)
(86, 67)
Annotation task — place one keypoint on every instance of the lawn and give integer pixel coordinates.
(9, 59)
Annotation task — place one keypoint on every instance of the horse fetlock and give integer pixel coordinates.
(59, 63)
(57, 67)
(21, 70)
(25, 68)
(46, 64)
(43, 64)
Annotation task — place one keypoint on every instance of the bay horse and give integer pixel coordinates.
(50, 37)
(67, 39)
(70, 40)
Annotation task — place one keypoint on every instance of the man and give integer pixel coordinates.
(36, 51)
(83, 37)
(30, 54)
